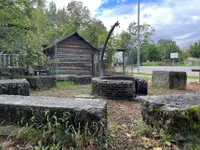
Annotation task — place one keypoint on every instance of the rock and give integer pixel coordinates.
(14, 87)
(177, 115)
(84, 79)
(15, 109)
(169, 79)
(38, 82)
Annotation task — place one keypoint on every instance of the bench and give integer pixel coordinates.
(197, 70)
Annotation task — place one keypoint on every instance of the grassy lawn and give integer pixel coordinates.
(126, 130)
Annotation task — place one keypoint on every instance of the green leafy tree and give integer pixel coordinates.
(195, 49)
(153, 53)
(167, 46)
(78, 15)
(129, 40)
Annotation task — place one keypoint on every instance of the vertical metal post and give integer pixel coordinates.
(99, 62)
(56, 56)
(123, 63)
(138, 50)
(199, 76)
(1, 60)
(17, 60)
(4, 60)
(8, 60)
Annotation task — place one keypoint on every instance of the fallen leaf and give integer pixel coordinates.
(157, 148)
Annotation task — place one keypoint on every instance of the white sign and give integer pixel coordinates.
(173, 55)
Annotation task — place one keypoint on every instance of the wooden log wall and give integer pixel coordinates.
(75, 57)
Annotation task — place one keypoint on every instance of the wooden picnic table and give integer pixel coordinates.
(197, 70)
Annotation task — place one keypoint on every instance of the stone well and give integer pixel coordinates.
(119, 87)
(170, 79)
(178, 115)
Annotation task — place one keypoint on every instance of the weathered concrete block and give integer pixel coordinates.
(14, 87)
(178, 115)
(14, 109)
(84, 79)
(141, 86)
(170, 79)
(37, 82)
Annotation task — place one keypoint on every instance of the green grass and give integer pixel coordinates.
(193, 77)
(143, 73)
(151, 64)
(66, 84)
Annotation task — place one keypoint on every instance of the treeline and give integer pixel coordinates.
(26, 25)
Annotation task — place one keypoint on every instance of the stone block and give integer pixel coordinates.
(141, 86)
(177, 115)
(15, 109)
(169, 79)
(14, 87)
(38, 82)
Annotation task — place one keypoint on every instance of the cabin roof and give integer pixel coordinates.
(66, 37)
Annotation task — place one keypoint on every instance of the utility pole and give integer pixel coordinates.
(138, 50)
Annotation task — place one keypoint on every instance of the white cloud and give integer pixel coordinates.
(176, 19)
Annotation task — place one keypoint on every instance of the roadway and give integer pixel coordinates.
(149, 69)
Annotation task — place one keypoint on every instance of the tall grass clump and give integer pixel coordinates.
(55, 132)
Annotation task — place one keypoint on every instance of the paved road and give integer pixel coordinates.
(149, 69)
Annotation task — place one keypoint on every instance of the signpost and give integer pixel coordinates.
(174, 56)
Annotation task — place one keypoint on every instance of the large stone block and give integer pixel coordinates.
(14, 109)
(170, 79)
(14, 87)
(37, 82)
(116, 87)
(84, 79)
(177, 115)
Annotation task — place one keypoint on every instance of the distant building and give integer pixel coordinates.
(74, 55)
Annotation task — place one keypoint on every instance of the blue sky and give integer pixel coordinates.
(176, 19)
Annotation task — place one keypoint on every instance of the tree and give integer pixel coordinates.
(95, 32)
(167, 46)
(153, 53)
(195, 49)
(78, 15)
(129, 40)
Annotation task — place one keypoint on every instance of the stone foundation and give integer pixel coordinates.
(177, 115)
(169, 79)
(20, 109)
(14, 87)
(38, 82)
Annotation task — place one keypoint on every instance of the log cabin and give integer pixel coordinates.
(74, 55)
